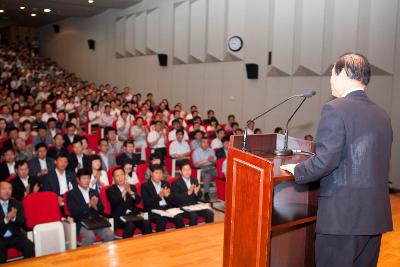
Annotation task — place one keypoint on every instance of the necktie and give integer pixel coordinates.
(5, 210)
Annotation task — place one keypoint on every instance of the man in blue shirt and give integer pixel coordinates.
(204, 159)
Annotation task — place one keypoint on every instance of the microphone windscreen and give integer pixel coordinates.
(309, 94)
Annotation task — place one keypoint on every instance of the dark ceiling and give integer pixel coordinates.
(60, 9)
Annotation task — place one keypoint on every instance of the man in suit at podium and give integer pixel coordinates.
(353, 147)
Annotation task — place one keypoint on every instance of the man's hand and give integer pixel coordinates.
(129, 190)
(196, 190)
(93, 202)
(167, 192)
(289, 168)
(162, 193)
(11, 214)
(191, 190)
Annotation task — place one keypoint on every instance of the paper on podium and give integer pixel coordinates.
(288, 168)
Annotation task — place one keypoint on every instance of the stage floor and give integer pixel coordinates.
(195, 246)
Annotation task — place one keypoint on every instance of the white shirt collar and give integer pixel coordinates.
(25, 181)
(352, 90)
(60, 174)
(85, 193)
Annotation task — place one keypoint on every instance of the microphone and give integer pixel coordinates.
(285, 151)
(304, 95)
(308, 94)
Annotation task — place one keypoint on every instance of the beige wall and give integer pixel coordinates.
(305, 37)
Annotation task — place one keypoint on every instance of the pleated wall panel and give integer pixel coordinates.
(181, 32)
(216, 29)
(140, 32)
(153, 25)
(198, 20)
(130, 34)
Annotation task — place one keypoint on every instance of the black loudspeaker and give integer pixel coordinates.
(163, 60)
(56, 28)
(91, 44)
(252, 71)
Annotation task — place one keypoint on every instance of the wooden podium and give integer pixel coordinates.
(269, 219)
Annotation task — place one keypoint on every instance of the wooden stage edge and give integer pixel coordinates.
(195, 246)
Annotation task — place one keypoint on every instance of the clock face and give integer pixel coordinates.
(235, 43)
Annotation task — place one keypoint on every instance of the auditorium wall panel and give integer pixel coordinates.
(198, 29)
(306, 33)
(181, 32)
(130, 35)
(120, 33)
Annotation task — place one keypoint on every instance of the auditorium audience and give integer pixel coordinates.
(107, 157)
(84, 204)
(185, 191)
(59, 180)
(156, 194)
(130, 173)
(44, 112)
(138, 133)
(98, 177)
(123, 198)
(41, 164)
(7, 167)
(222, 152)
(204, 159)
(12, 225)
(77, 160)
(23, 184)
(58, 146)
(155, 159)
(114, 145)
(217, 141)
(70, 136)
(128, 154)
(156, 140)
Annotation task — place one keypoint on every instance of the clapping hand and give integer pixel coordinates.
(191, 189)
(196, 189)
(11, 214)
(167, 192)
(93, 202)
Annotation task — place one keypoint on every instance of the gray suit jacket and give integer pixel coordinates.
(111, 161)
(354, 140)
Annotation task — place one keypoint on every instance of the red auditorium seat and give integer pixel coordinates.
(220, 180)
(141, 170)
(14, 254)
(109, 173)
(93, 140)
(41, 207)
(168, 164)
(10, 178)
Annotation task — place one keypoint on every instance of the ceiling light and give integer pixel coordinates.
(90, 1)
(22, 7)
(33, 15)
(47, 10)
(1, 10)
